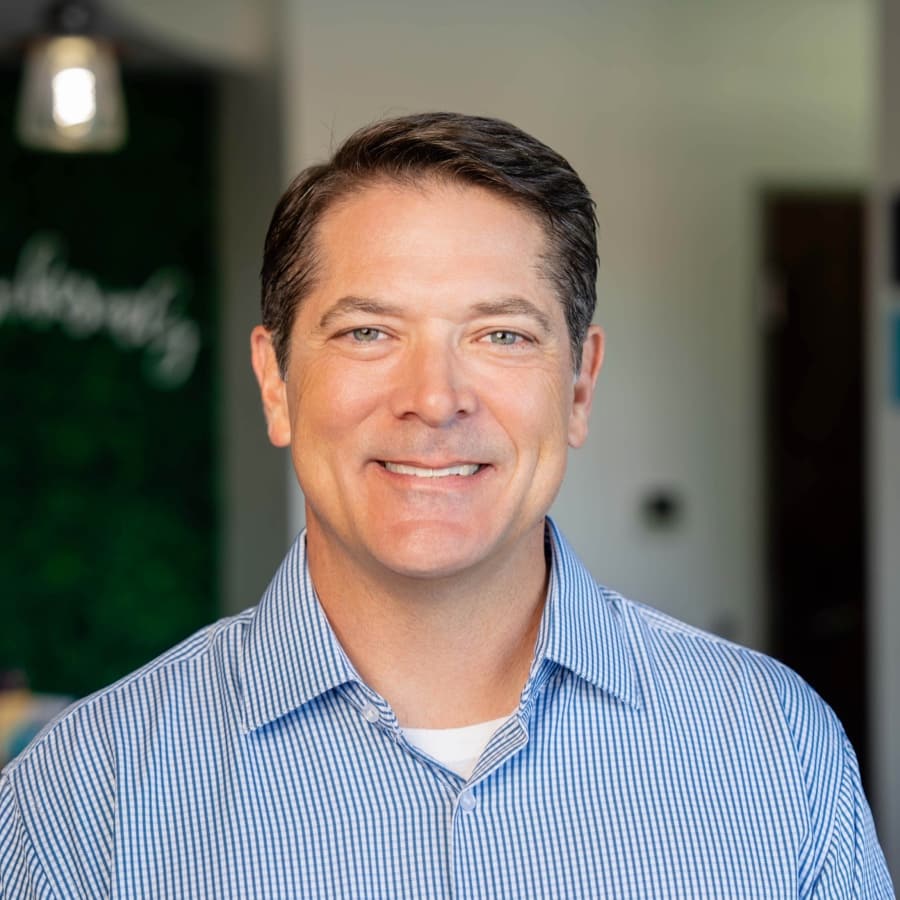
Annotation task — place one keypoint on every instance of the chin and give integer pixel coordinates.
(432, 551)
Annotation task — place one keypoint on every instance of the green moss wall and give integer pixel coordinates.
(108, 525)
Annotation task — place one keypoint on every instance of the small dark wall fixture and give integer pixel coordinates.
(662, 508)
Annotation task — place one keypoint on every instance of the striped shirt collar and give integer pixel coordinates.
(582, 629)
(291, 655)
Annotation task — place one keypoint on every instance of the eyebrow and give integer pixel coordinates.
(506, 306)
(357, 305)
(513, 306)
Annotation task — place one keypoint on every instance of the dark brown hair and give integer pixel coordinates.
(488, 153)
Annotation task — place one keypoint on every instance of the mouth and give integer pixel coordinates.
(463, 470)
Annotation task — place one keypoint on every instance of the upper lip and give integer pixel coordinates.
(432, 464)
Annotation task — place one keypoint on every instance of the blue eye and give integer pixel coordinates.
(365, 335)
(504, 337)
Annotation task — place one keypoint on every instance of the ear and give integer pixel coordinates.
(272, 388)
(583, 389)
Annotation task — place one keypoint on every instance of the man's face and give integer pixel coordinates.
(430, 395)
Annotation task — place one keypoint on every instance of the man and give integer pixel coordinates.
(433, 698)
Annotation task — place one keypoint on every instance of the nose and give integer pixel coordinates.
(432, 385)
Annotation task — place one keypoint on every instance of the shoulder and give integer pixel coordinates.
(58, 797)
(732, 694)
(92, 719)
(672, 654)
(690, 678)
(76, 753)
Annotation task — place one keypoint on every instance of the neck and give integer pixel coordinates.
(443, 652)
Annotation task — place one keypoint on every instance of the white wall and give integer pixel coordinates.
(674, 113)
(884, 459)
(254, 520)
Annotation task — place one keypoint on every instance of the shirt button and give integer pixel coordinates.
(370, 713)
(467, 801)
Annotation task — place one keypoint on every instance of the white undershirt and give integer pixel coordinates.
(456, 748)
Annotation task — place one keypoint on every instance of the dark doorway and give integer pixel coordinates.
(814, 257)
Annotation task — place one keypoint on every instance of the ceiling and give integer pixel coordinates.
(139, 46)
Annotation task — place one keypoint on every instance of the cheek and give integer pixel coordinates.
(533, 409)
(330, 403)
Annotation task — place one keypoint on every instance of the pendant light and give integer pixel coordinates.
(71, 96)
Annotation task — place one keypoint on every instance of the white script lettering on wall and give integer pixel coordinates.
(44, 291)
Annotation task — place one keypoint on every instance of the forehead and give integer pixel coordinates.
(387, 225)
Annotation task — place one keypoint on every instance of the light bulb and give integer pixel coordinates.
(71, 97)
(74, 96)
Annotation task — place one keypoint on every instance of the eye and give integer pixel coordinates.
(505, 338)
(365, 335)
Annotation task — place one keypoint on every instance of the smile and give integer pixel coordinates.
(463, 470)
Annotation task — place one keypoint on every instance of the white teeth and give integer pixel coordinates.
(399, 469)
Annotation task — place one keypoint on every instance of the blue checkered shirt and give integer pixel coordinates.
(646, 759)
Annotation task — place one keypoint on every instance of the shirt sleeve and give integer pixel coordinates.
(21, 877)
(853, 865)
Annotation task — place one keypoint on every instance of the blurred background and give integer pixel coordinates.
(743, 471)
